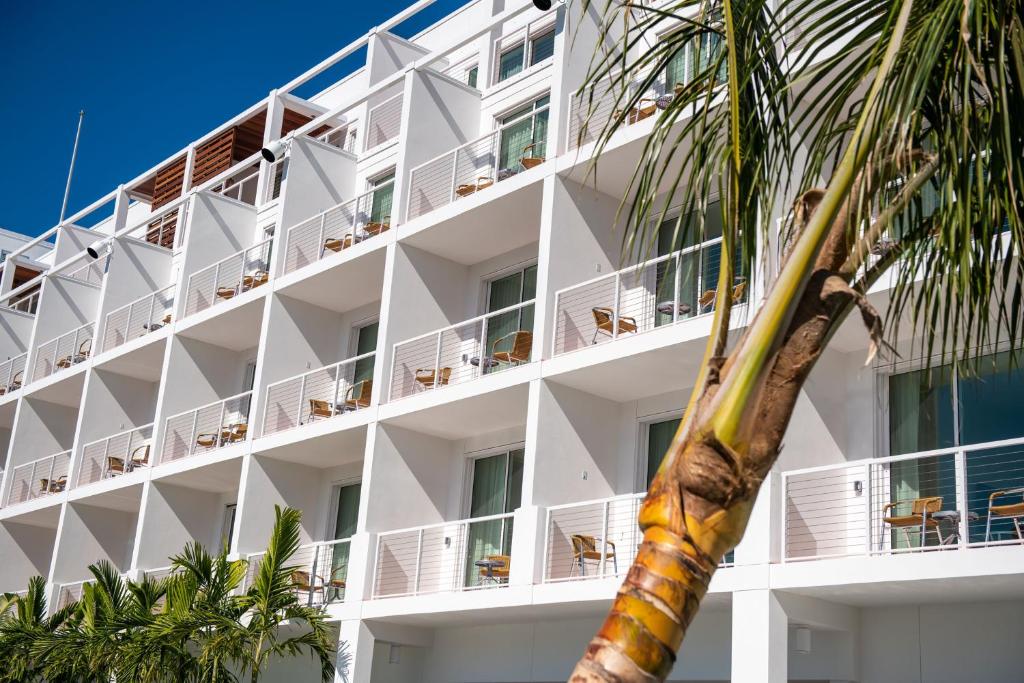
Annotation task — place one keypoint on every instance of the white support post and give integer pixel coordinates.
(419, 560)
(302, 391)
(482, 354)
(760, 638)
(869, 523)
(437, 361)
(604, 537)
(195, 427)
(675, 289)
(615, 304)
(963, 526)
(216, 279)
(455, 176)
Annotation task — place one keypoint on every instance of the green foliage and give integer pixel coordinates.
(195, 625)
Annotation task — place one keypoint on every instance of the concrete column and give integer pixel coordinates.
(355, 653)
(527, 545)
(760, 638)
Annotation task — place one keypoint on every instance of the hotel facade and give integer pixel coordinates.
(392, 294)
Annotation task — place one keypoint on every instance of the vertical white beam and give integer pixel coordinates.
(355, 653)
(760, 638)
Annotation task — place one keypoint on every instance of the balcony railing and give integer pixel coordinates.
(320, 574)
(640, 298)
(12, 374)
(318, 394)
(91, 272)
(335, 229)
(71, 592)
(278, 174)
(206, 428)
(144, 315)
(473, 167)
(63, 352)
(946, 499)
(115, 455)
(384, 122)
(42, 477)
(160, 229)
(592, 539)
(462, 352)
(228, 278)
(27, 304)
(451, 556)
(240, 189)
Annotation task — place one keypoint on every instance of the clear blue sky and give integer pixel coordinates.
(151, 76)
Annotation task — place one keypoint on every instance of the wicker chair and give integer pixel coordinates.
(83, 352)
(499, 574)
(359, 394)
(513, 348)
(604, 320)
(53, 485)
(585, 548)
(320, 408)
(467, 189)
(14, 385)
(425, 377)
(376, 227)
(1011, 511)
(260, 277)
(529, 159)
(919, 518)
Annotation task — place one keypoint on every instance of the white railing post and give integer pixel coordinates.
(337, 384)
(960, 469)
(482, 353)
(604, 536)
(783, 517)
(869, 524)
(455, 175)
(220, 423)
(675, 289)
(216, 279)
(152, 310)
(49, 480)
(191, 448)
(104, 464)
(323, 235)
(32, 480)
(312, 577)
(615, 304)
(419, 562)
(302, 391)
(437, 361)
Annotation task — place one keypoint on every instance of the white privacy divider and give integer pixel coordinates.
(384, 122)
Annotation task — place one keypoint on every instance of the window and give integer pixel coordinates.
(228, 524)
(697, 55)
(524, 137)
(659, 438)
(366, 342)
(496, 488)
(506, 291)
(471, 75)
(536, 46)
(383, 187)
(346, 516)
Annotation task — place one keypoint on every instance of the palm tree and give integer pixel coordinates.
(887, 134)
(23, 621)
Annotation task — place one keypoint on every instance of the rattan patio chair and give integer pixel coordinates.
(14, 385)
(1011, 511)
(320, 408)
(513, 348)
(83, 353)
(604, 320)
(53, 485)
(425, 377)
(919, 518)
(530, 161)
(359, 394)
(585, 548)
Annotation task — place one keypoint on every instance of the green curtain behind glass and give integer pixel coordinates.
(516, 137)
(380, 207)
(542, 47)
(510, 63)
(366, 342)
(487, 498)
(659, 438)
(920, 411)
(509, 291)
(344, 527)
(675, 70)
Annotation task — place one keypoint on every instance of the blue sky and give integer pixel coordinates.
(151, 77)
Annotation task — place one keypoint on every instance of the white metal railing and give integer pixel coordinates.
(42, 477)
(466, 170)
(592, 539)
(335, 229)
(12, 374)
(444, 557)
(206, 428)
(140, 317)
(161, 228)
(240, 189)
(69, 593)
(27, 304)
(278, 174)
(384, 122)
(229, 277)
(937, 500)
(320, 571)
(91, 271)
(462, 352)
(115, 455)
(343, 137)
(637, 299)
(318, 395)
(63, 352)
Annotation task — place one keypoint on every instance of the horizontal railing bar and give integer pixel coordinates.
(211, 404)
(354, 359)
(121, 433)
(470, 321)
(440, 525)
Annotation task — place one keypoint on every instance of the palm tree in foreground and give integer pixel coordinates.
(889, 133)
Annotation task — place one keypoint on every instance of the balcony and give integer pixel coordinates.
(241, 187)
(115, 455)
(463, 352)
(206, 428)
(228, 278)
(944, 500)
(92, 272)
(140, 317)
(318, 395)
(384, 122)
(336, 229)
(637, 299)
(320, 571)
(592, 539)
(451, 556)
(63, 352)
(12, 374)
(29, 303)
(39, 478)
(475, 166)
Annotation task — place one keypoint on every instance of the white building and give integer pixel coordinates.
(404, 327)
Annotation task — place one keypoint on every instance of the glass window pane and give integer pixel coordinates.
(990, 400)
(920, 411)
(675, 71)
(471, 76)
(366, 341)
(514, 494)
(488, 495)
(348, 511)
(510, 63)
(542, 47)
(659, 438)
(530, 283)
(514, 139)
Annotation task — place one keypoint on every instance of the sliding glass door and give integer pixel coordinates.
(497, 484)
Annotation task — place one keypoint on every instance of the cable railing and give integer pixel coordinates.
(459, 353)
(229, 277)
(450, 556)
(240, 189)
(319, 394)
(140, 317)
(115, 455)
(592, 539)
(343, 137)
(473, 167)
(384, 122)
(946, 499)
(27, 304)
(39, 478)
(12, 374)
(336, 229)
(69, 593)
(63, 352)
(320, 571)
(91, 271)
(207, 428)
(659, 292)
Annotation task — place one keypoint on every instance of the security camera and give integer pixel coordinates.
(542, 5)
(275, 150)
(96, 248)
